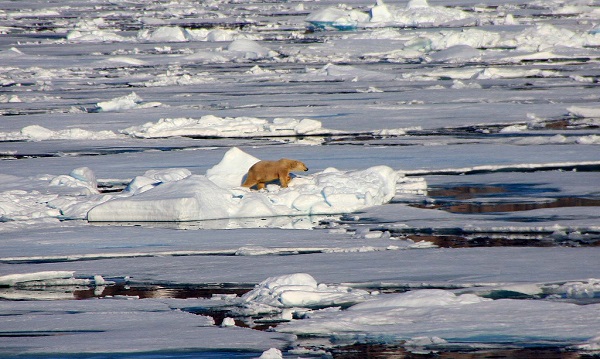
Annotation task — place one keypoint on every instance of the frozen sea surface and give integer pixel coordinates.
(451, 202)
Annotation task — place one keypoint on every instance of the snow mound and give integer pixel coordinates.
(124, 103)
(40, 133)
(219, 195)
(94, 36)
(272, 353)
(213, 126)
(233, 166)
(300, 290)
(163, 34)
(90, 30)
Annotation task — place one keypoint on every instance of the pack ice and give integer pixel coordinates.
(180, 196)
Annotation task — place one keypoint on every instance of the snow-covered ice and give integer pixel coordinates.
(447, 318)
(219, 195)
(451, 202)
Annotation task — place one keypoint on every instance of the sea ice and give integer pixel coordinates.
(250, 49)
(299, 290)
(124, 103)
(40, 133)
(452, 319)
(163, 34)
(36, 278)
(120, 326)
(213, 126)
(219, 195)
(453, 74)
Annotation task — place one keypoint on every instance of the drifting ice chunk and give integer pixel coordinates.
(120, 103)
(301, 290)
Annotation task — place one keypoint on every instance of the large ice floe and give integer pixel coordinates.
(440, 318)
(218, 195)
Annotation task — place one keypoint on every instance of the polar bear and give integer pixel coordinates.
(263, 172)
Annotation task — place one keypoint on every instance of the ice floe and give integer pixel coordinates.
(450, 319)
(177, 195)
(298, 290)
(39, 278)
(213, 126)
(122, 326)
(40, 133)
(124, 103)
(219, 195)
